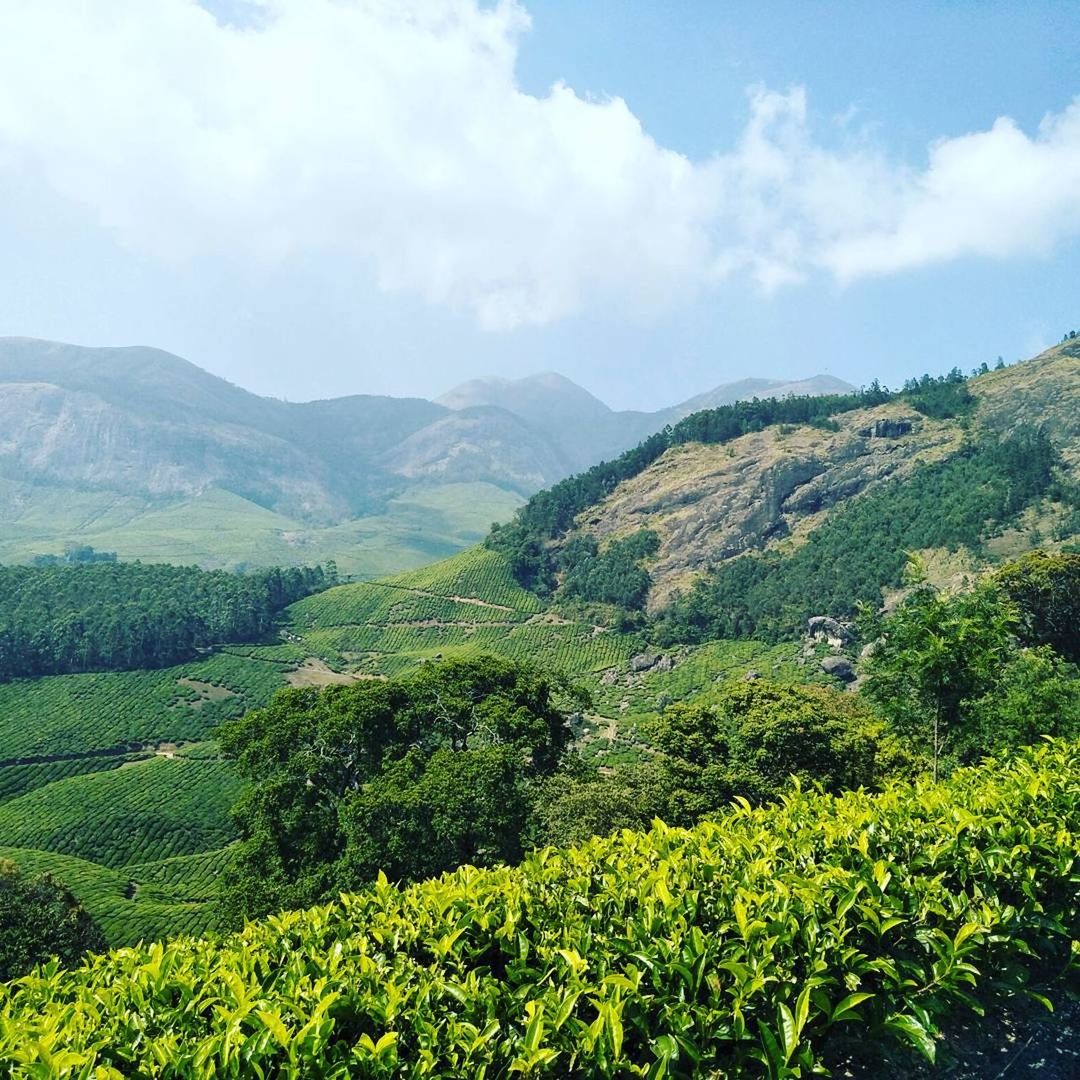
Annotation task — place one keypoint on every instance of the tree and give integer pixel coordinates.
(411, 776)
(750, 738)
(39, 918)
(951, 675)
(1046, 589)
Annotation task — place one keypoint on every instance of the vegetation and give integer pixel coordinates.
(411, 776)
(550, 514)
(613, 576)
(951, 677)
(863, 546)
(1046, 590)
(115, 616)
(63, 717)
(738, 948)
(39, 919)
(141, 901)
(144, 811)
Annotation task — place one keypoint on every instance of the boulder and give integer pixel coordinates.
(825, 628)
(839, 667)
(644, 661)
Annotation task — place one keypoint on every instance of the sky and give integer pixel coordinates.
(323, 197)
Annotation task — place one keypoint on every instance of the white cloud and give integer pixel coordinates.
(394, 131)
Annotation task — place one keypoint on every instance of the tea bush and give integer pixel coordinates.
(732, 949)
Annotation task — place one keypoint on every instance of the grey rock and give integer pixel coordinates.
(839, 667)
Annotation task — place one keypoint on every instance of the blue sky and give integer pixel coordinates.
(315, 198)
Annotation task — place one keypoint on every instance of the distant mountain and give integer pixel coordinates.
(137, 431)
(583, 430)
(744, 389)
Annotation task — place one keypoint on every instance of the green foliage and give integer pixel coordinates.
(410, 775)
(735, 949)
(39, 918)
(948, 673)
(1046, 589)
(751, 739)
(69, 716)
(862, 546)
(466, 606)
(115, 616)
(141, 901)
(613, 576)
(943, 397)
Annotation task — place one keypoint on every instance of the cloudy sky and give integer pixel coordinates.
(320, 197)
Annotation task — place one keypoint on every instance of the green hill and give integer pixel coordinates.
(765, 943)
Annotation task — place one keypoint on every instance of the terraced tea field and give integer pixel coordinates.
(142, 902)
(114, 782)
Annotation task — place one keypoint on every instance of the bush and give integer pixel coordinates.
(733, 949)
(39, 918)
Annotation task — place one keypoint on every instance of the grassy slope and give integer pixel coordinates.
(220, 529)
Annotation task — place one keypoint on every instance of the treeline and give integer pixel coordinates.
(114, 616)
(862, 546)
(550, 514)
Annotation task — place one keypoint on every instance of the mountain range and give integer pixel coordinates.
(138, 450)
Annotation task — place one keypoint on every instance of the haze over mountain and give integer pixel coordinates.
(136, 431)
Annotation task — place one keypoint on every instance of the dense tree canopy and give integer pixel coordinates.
(951, 676)
(39, 918)
(408, 776)
(111, 616)
(1046, 590)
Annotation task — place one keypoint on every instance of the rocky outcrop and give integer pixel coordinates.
(824, 628)
(711, 503)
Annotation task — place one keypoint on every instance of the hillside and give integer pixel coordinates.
(67, 736)
(769, 490)
(141, 452)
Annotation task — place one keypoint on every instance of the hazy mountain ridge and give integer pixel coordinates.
(147, 425)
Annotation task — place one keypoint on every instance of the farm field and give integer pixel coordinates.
(113, 778)
(221, 529)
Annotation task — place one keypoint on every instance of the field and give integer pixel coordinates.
(141, 812)
(140, 902)
(116, 775)
(108, 781)
(221, 529)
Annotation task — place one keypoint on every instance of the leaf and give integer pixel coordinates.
(910, 1029)
(845, 1009)
(788, 1030)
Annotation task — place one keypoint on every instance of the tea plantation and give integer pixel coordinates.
(736, 948)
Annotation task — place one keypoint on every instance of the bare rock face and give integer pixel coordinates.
(711, 503)
(839, 667)
(824, 628)
(887, 429)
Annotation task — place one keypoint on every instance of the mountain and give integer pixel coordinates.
(963, 482)
(139, 451)
(745, 389)
(583, 430)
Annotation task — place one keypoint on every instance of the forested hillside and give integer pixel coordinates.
(110, 616)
